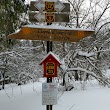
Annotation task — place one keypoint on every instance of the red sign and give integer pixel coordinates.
(49, 17)
(50, 65)
(49, 6)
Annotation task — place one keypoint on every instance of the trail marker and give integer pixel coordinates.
(51, 34)
(49, 6)
(50, 63)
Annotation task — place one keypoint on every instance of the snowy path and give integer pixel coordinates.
(94, 98)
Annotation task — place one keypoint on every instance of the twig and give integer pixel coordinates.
(60, 95)
(7, 94)
(20, 89)
(71, 107)
(11, 88)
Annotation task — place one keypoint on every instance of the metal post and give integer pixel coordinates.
(49, 107)
(49, 80)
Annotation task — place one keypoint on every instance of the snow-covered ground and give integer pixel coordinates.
(29, 97)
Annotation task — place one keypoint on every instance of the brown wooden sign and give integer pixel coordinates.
(65, 35)
(33, 8)
(57, 17)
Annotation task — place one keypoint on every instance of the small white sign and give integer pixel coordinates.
(49, 94)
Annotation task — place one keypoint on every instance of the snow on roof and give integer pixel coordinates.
(53, 26)
(81, 53)
(50, 53)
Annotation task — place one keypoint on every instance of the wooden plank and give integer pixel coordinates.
(50, 34)
(58, 17)
(33, 8)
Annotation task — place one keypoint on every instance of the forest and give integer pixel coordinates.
(81, 61)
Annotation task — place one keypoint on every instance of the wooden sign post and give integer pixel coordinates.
(50, 63)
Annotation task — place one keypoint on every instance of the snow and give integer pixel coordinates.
(55, 26)
(50, 53)
(29, 97)
(86, 54)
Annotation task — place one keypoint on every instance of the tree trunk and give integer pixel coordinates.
(64, 80)
(3, 82)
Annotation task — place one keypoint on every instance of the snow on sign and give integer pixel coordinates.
(49, 94)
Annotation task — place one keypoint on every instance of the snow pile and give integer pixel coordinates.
(29, 97)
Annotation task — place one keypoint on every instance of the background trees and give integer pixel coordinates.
(12, 17)
(89, 53)
(11, 12)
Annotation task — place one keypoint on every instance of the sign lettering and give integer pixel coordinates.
(50, 68)
(51, 34)
(49, 94)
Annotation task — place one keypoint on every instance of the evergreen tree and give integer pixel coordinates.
(12, 16)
